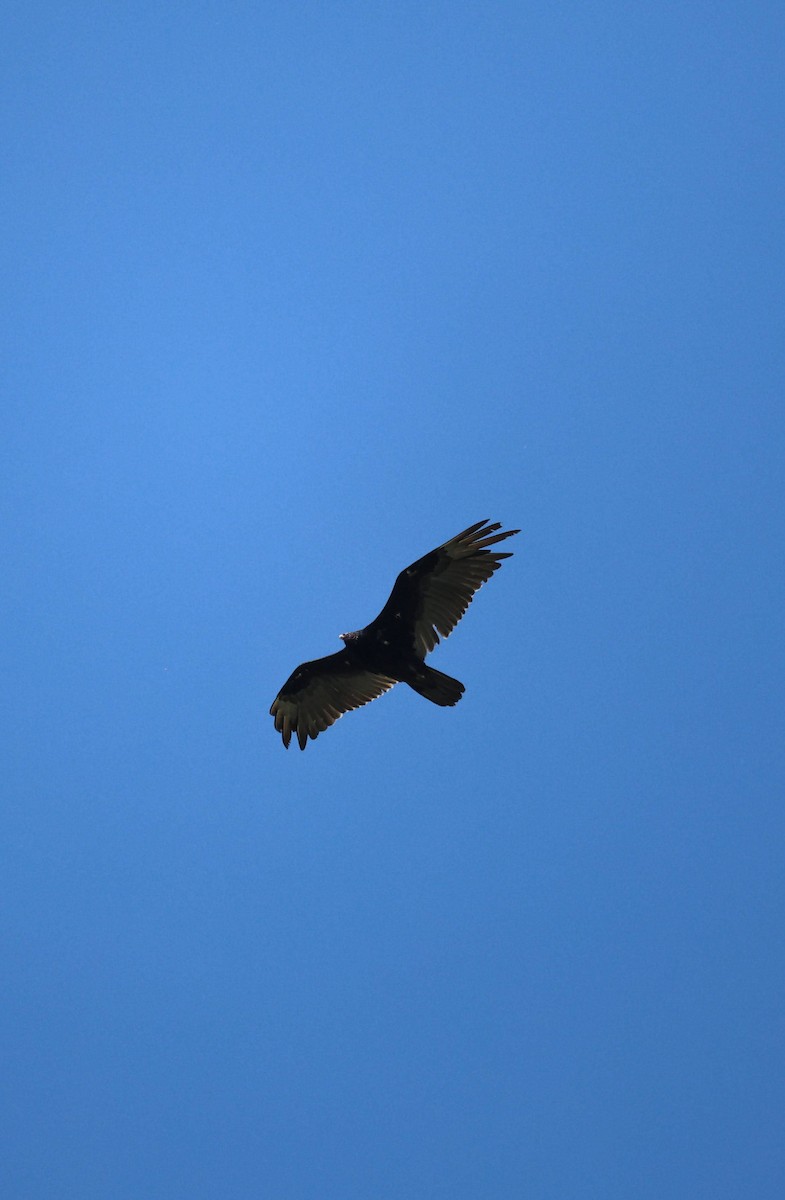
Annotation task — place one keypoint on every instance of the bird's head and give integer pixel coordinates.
(348, 638)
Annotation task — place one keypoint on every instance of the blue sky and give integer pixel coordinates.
(291, 294)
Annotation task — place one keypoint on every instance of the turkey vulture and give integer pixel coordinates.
(428, 599)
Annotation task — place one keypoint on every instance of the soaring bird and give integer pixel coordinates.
(428, 600)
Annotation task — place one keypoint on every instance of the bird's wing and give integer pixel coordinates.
(430, 597)
(319, 692)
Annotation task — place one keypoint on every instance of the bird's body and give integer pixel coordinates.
(427, 601)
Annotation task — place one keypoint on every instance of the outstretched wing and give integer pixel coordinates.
(430, 597)
(319, 692)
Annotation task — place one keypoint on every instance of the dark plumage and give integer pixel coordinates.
(428, 600)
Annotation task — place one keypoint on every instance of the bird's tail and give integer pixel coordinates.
(436, 686)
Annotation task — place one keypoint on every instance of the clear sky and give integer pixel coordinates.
(292, 293)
